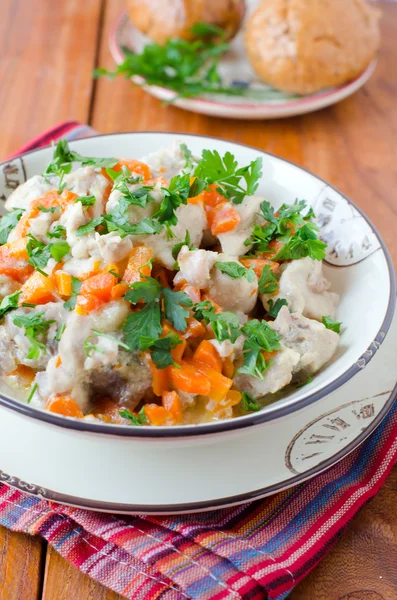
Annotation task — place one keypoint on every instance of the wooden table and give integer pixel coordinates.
(47, 53)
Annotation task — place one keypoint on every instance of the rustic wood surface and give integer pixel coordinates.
(46, 59)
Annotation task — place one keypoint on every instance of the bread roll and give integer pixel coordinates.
(164, 19)
(303, 46)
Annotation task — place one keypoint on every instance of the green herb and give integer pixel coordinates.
(145, 227)
(248, 403)
(64, 157)
(58, 232)
(89, 347)
(160, 349)
(138, 420)
(28, 305)
(60, 331)
(86, 200)
(331, 324)
(177, 247)
(302, 243)
(59, 249)
(110, 337)
(51, 210)
(260, 238)
(9, 303)
(188, 156)
(114, 273)
(225, 325)
(8, 222)
(225, 172)
(173, 308)
(35, 325)
(274, 308)
(76, 285)
(145, 323)
(176, 194)
(40, 253)
(306, 382)
(89, 227)
(31, 393)
(268, 281)
(121, 182)
(236, 271)
(260, 337)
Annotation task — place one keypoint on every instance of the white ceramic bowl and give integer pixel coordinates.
(229, 461)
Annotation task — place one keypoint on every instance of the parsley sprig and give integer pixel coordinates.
(260, 337)
(36, 327)
(8, 222)
(40, 253)
(236, 271)
(9, 303)
(328, 322)
(225, 325)
(63, 159)
(137, 420)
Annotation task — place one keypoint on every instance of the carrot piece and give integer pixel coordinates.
(161, 377)
(158, 415)
(12, 267)
(87, 304)
(178, 351)
(257, 264)
(232, 398)
(113, 268)
(119, 290)
(64, 405)
(18, 249)
(207, 353)
(269, 355)
(100, 286)
(48, 200)
(63, 283)
(194, 329)
(274, 247)
(24, 375)
(228, 367)
(219, 385)
(172, 402)
(38, 289)
(210, 197)
(67, 197)
(189, 379)
(135, 166)
(222, 218)
(138, 265)
(58, 362)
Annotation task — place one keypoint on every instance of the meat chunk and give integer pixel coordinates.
(86, 181)
(303, 285)
(232, 242)
(232, 294)
(277, 376)
(25, 193)
(314, 343)
(166, 162)
(195, 266)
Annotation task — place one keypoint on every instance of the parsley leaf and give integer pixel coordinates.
(234, 270)
(146, 226)
(248, 403)
(35, 325)
(123, 179)
(59, 249)
(302, 243)
(144, 323)
(173, 308)
(274, 308)
(225, 325)
(40, 253)
(329, 324)
(58, 232)
(148, 291)
(260, 337)
(76, 285)
(177, 247)
(268, 281)
(86, 200)
(8, 222)
(160, 349)
(88, 227)
(188, 156)
(176, 194)
(138, 420)
(9, 303)
(63, 158)
(31, 393)
(51, 209)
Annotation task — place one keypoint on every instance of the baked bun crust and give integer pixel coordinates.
(164, 19)
(304, 46)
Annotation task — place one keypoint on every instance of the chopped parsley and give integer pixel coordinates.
(302, 243)
(178, 247)
(248, 403)
(40, 253)
(35, 327)
(122, 179)
(331, 324)
(89, 227)
(187, 153)
(86, 200)
(268, 281)
(51, 209)
(236, 271)
(60, 331)
(160, 349)
(76, 285)
(9, 303)
(260, 337)
(8, 222)
(63, 159)
(32, 392)
(274, 308)
(225, 325)
(58, 232)
(138, 420)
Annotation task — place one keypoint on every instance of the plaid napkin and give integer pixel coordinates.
(256, 551)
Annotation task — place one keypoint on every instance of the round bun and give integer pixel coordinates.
(304, 46)
(164, 19)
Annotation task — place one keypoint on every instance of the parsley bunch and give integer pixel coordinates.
(260, 337)
(36, 327)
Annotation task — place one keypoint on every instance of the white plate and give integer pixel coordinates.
(234, 67)
(126, 469)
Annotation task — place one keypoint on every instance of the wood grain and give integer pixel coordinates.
(47, 54)
(62, 581)
(21, 561)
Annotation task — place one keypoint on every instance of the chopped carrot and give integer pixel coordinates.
(274, 247)
(87, 304)
(38, 289)
(219, 385)
(232, 398)
(18, 249)
(135, 166)
(210, 197)
(158, 415)
(172, 402)
(113, 268)
(63, 283)
(194, 329)
(222, 218)
(23, 374)
(268, 355)
(15, 268)
(214, 304)
(119, 290)
(228, 367)
(100, 286)
(207, 353)
(161, 377)
(189, 379)
(67, 197)
(178, 351)
(58, 362)
(138, 265)
(50, 199)
(108, 410)
(64, 405)
(257, 264)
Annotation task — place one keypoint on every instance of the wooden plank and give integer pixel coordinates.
(47, 53)
(21, 562)
(62, 581)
